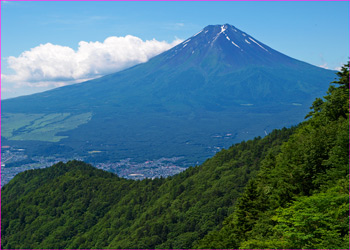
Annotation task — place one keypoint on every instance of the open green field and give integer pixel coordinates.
(40, 127)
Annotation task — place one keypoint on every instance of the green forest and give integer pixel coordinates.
(289, 189)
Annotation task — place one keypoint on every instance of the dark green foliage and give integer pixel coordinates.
(300, 197)
(74, 205)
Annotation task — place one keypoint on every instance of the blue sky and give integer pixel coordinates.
(40, 40)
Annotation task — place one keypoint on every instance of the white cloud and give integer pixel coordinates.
(56, 65)
(325, 66)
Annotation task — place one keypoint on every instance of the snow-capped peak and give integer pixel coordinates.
(223, 28)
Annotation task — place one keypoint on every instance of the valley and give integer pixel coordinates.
(15, 161)
(190, 143)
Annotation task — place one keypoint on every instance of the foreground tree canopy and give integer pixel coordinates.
(287, 190)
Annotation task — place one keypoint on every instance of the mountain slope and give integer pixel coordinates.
(220, 81)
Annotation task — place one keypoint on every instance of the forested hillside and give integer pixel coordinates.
(287, 190)
(75, 205)
(300, 198)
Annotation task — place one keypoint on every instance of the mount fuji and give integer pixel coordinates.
(218, 87)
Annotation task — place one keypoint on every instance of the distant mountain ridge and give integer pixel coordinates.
(182, 102)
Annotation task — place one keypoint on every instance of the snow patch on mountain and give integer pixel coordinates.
(197, 33)
(186, 41)
(257, 43)
(235, 44)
